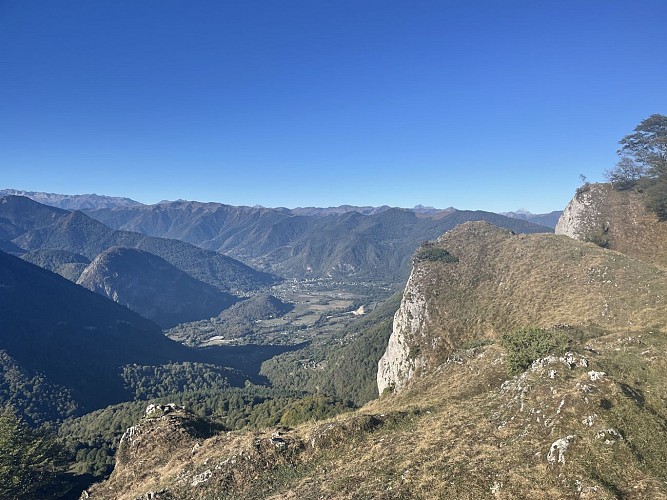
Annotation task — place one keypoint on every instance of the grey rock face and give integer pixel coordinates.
(397, 366)
(582, 216)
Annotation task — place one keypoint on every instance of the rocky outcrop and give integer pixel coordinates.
(617, 220)
(558, 448)
(583, 217)
(171, 455)
(164, 428)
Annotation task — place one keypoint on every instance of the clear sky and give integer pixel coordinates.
(490, 105)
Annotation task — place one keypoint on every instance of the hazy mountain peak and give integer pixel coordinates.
(548, 220)
(73, 201)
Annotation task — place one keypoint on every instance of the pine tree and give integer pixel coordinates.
(30, 460)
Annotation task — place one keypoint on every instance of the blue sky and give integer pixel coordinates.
(490, 105)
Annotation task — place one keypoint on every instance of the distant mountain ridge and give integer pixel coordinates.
(549, 220)
(73, 201)
(348, 244)
(338, 242)
(95, 201)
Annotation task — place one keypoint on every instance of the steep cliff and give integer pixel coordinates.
(399, 363)
(499, 282)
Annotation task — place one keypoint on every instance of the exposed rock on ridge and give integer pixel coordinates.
(583, 216)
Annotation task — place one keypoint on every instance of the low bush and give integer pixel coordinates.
(434, 254)
(528, 344)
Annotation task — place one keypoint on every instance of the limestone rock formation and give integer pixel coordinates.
(583, 216)
(397, 365)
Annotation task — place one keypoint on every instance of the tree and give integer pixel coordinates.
(655, 195)
(647, 146)
(29, 460)
(643, 154)
(626, 174)
(643, 163)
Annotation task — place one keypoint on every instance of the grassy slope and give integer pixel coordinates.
(504, 282)
(456, 434)
(466, 429)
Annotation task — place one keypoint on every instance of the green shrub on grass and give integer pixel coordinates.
(434, 254)
(528, 344)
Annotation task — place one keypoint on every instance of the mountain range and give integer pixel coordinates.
(72, 201)
(95, 201)
(348, 244)
(345, 241)
(31, 226)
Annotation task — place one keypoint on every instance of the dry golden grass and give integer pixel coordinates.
(455, 433)
(503, 282)
(465, 429)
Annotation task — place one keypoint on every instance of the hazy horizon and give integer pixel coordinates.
(417, 206)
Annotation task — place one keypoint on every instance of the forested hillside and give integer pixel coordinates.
(152, 287)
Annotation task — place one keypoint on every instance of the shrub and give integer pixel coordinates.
(434, 254)
(585, 187)
(528, 344)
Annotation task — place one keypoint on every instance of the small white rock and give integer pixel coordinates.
(558, 449)
(593, 375)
